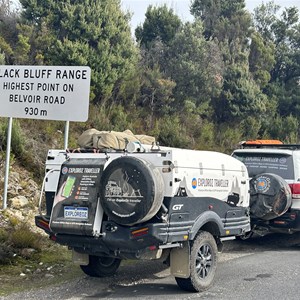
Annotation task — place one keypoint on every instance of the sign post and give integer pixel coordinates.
(8, 143)
(67, 127)
(46, 93)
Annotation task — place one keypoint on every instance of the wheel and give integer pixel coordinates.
(270, 196)
(101, 266)
(203, 264)
(132, 190)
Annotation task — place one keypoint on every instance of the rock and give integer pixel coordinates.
(14, 176)
(33, 185)
(15, 213)
(19, 202)
(48, 276)
(22, 274)
(27, 252)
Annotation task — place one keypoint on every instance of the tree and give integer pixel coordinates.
(160, 24)
(156, 94)
(261, 59)
(228, 24)
(214, 12)
(8, 30)
(93, 33)
(240, 98)
(196, 66)
(284, 32)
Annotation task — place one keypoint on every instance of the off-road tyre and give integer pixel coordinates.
(101, 266)
(270, 196)
(132, 190)
(203, 264)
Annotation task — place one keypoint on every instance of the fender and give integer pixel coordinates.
(204, 218)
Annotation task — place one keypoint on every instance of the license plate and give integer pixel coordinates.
(79, 213)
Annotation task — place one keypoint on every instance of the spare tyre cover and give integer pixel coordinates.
(270, 196)
(131, 190)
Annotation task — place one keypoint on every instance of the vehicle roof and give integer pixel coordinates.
(254, 145)
(267, 150)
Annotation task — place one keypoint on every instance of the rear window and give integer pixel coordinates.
(258, 163)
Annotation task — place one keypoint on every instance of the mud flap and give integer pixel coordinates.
(81, 259)
(180, 261)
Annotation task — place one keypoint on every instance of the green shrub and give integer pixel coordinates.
(113, 117)
(6, 252)
(172, 133)
(23, 237)
(3, 235)
(228, 136)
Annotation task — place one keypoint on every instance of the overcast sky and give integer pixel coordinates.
(181, 7)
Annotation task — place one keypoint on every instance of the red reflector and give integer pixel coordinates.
(140, 232)
(53, 238)
(43, 224)
(295, 189)
(151, 248)
(280, 222)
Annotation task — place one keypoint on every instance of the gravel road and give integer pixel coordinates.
(140, 273)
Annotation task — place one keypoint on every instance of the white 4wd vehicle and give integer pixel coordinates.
(146, 203)
(275, 185)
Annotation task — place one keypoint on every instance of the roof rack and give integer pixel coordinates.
(281, 146)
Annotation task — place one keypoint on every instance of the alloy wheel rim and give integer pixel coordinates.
(204, 261)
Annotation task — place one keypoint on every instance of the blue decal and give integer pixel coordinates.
(262, 184)
(64, 170)
(194, 183)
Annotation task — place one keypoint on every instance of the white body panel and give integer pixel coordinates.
(197, 173)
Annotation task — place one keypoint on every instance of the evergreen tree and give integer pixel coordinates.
(196, 66)
(283, 31)
(85, 32)
(231, 28)
(8, 31)
(160, 24)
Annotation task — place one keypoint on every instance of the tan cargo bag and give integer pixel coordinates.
(113, 140)
(86, 138)
(145, 139)
(93, 138)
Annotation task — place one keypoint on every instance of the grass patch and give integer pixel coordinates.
(50, 266)
(29, 259)
(23, 237)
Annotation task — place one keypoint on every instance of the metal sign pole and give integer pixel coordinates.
(67, 127)
(9, 130)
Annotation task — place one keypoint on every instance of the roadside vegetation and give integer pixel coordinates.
(29, 259)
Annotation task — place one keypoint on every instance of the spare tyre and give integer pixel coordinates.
(270, 196)
(132, 190)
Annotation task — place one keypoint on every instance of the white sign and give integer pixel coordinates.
(44, 92)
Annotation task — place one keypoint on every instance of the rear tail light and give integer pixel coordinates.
(43, 224)
(279, 222)
(295, 189)
(140, 232)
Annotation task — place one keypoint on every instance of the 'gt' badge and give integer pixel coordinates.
(177, 206)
